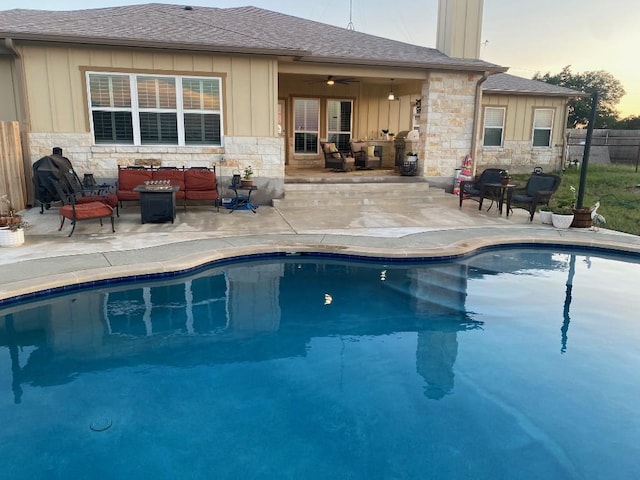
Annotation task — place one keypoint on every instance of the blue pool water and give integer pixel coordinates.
(510, 364)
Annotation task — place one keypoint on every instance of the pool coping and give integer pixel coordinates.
(29, 279)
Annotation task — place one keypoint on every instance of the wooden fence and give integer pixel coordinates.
(12, 178)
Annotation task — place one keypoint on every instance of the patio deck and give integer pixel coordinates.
(49, 258)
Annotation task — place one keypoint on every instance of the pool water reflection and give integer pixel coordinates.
(508, 364)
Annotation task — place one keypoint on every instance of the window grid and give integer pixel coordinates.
(150, 110)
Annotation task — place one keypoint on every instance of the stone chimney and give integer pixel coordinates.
(460, 27)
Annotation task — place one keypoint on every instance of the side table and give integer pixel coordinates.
(498, 192)
(242, 201)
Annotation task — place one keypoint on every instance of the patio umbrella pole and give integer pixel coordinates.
(587, 149)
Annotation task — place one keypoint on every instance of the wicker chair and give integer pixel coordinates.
(538, 191)
(477, 189)
(335, 159)
(365, 156)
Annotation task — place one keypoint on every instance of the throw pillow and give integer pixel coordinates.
(331, 147)
(371, 151)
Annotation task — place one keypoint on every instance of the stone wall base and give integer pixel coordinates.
(265, 155)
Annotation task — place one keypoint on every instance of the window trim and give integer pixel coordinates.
(331, 132)
(549, 129)
(295, 128)
(484, 126)
(135, 109)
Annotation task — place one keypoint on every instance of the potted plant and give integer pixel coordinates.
(562, 209)
(12, 226)
(247, 174)
(545, 215)
(504, 177)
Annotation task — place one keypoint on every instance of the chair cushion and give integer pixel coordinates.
(199, 179)
(86, 211)
(129, 179)
(175, 177)
(491, 175)
(521, 198)
(357, 146)
(471, 190)
(539, 183)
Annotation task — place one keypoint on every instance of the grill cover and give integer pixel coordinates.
(51, 168)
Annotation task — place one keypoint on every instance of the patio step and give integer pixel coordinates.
(303, 195)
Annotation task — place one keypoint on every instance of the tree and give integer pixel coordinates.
(609, 89)
(629, 123)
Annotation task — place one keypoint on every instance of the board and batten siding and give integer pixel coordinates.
(56, 90)
(519, 115)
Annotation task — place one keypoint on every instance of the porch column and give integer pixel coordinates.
(446, 122)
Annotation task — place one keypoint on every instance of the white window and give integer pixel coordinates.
(493, 126)
(542, 127)
(306, 115)
(339, 123)
(155, 109)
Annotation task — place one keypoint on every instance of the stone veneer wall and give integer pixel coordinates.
(446, 123)
(519, 157)
(264, 154)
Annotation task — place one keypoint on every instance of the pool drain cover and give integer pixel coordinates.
(101, 425)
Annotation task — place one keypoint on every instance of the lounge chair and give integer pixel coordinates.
(335, 159)
(538, 191)
(365, 156)
(477, 189)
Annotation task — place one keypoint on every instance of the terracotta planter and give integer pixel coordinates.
(561, 221)
(504, 181)
(582, 218)
(245, 182)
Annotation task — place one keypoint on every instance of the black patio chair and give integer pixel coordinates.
(477, 189)
(538, 191)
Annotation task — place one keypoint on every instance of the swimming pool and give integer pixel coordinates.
(514, 363)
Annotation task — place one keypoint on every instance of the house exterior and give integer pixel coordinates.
(199, 86)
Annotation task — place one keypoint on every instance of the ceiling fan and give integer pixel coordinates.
(331, 80)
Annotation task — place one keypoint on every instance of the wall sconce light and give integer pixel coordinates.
(330, 80)
(391, 95)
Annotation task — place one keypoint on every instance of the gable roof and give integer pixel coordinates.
(225, 30)
(503, 83)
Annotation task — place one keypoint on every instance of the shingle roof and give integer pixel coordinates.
(240, 30)
(510, 84)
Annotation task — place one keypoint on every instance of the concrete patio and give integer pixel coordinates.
(50, 258)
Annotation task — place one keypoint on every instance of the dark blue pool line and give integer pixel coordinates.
(148, 277)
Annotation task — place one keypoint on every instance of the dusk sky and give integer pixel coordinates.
(527, 37)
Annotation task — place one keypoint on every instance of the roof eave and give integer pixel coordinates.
(117, 42)
(489, 68)
(533, 93)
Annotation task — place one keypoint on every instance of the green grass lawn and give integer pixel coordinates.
(616, 187)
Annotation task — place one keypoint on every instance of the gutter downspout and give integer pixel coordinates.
(476, 120)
